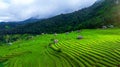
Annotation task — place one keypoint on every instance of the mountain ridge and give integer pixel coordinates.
(95, 16)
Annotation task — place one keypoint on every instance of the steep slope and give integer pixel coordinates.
(103, 12)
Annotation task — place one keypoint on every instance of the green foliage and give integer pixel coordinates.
(6, 39)
(98, 48)
(1, 65)
(95, 16)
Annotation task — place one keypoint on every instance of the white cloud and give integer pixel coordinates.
(3, 5)
(18, 10)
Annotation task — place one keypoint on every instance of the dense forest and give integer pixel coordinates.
(99, 14)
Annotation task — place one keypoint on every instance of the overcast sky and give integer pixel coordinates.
(19, 10)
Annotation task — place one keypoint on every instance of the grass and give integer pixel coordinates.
(98, 48)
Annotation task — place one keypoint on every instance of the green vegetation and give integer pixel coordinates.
(96, 48)
(83, 48)
(8, 39)
(105, 12)
(21, 47)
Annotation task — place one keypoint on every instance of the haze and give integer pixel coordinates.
(19, 10)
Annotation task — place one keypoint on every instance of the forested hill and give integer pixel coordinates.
(103, 12)
(13, 24)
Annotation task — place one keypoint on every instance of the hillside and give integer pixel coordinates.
(103, 12)
(89, 37)
(10, 25)
(101, 49)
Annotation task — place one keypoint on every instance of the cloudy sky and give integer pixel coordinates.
(19, 10)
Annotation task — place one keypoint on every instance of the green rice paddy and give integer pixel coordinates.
(98, 48)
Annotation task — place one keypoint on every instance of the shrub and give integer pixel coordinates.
(59, 50)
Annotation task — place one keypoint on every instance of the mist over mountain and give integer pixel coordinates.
(20, 10)
(101, 13)
(60, 33)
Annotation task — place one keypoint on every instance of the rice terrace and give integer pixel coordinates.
(98, 48)
(59, 33)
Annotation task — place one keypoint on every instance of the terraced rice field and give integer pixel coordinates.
(98, 48)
